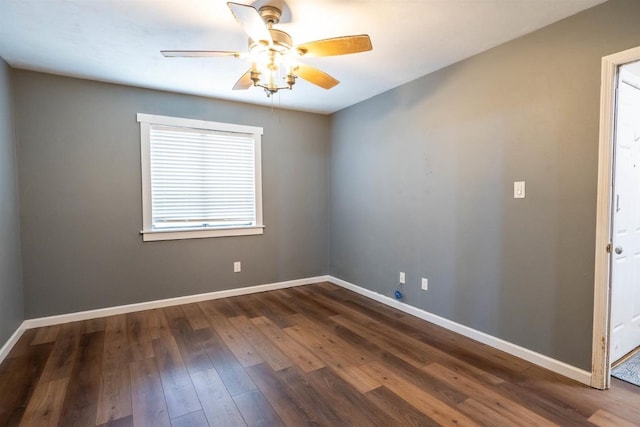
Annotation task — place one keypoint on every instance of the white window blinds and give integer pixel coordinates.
(199, 178)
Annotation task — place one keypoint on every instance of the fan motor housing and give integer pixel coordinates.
(281, 40)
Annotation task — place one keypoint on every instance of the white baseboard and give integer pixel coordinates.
(130, 308)
(557, 366)
(13, 339)
(547, 362)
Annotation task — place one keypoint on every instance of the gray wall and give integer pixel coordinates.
(11, 303)
(80, 198)
(422, 182)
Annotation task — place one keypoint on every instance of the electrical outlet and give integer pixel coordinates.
(402, 278)
(237, 267)
(425, 284)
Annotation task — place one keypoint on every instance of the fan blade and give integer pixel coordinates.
(315, 76)
(251, 21)
(244, 82)
(336, 46)
(198, 53)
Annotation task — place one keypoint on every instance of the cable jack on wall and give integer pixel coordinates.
(398, 292)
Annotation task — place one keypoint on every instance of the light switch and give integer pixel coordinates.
(518, 190)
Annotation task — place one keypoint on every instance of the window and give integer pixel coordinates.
(199, 179)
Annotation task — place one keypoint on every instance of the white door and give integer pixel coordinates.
(625, 267)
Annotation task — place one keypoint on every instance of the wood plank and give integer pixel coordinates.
(235, 341)
(157, 324)
(23, 345)
(266, 307)
(426, 403)
(120, 422)
(441, 345)
(18, 381)
(269, 352)
(256, 411)
(114, 398)
(407, 372)
(80, 404)
(295, 351)
(219, 408)
(195, 316)
(230, 370)
(280, 397)
(504, 406)
(46, 334)
(483, 414)
(334, 359)
(189, 341)
(178, 389)
(94, 325)
(149, 407)
(291, 397)
(46, 404)
(362, 304)
(328, 286)
(64, 353)
(243, 306)
(409, 349)
(604, 419)
(405, 348)
(352, 406)
(310, 309)
(465, 349)
(582, 399)
(194, 419)
(401, 411)
(138, 335)
(279, 303)
(222, 307)
(554, 409)
(348, 351)
(232, 339)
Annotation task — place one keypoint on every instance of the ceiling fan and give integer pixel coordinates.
(274, 58)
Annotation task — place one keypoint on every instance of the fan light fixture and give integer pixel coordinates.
(271, 63)
(274, 58)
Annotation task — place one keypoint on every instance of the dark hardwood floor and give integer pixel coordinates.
(312, 355)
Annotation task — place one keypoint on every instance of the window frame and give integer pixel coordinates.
(148, 233)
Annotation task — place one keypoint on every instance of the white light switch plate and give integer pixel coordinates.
(518, 190)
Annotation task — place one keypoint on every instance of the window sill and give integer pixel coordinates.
(151, 236)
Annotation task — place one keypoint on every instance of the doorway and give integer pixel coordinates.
(617, 266)
(625, 236)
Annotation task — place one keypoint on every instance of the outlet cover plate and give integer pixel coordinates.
(518, 190)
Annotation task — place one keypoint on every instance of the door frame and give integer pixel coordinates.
(600, 363)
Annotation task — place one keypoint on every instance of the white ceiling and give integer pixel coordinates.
(119, 41)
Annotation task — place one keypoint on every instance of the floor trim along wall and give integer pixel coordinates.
(130, 308)
(13, 340)
(556, 366)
